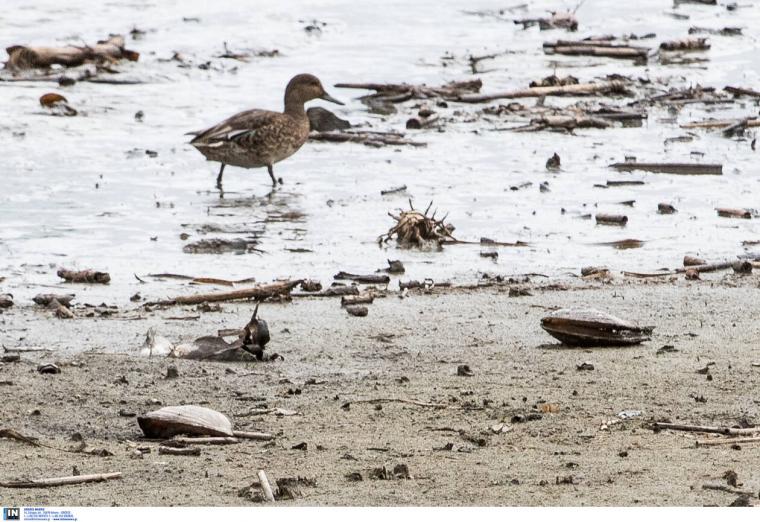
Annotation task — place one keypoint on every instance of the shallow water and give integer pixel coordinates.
(81, 192)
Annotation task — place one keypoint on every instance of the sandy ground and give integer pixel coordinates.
(405, 349)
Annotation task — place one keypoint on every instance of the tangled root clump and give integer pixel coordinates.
(415, 228)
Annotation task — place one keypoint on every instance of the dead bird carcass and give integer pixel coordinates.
(589, 327)
(415, 228)
(184, 420)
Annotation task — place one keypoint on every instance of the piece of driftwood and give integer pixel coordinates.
(704, 429)
(564, 122)
(611, 219)
(21, 57)
(605, 48)
(351, 300)
(686, 44)
(60, 481)
(719, 442)
(742, 91)
(260, 292)
(357, 310)
(266, 487)
(397, 92)
(168, 450)
(734, 213)
(364, 279)
(693, 261)
(671, 168)
(721, 124)
(581, 89)
(253, 435)
(215, 441)
(84, 276)
(371, 139)
(555, 21)
(47, 299)
(726, 489)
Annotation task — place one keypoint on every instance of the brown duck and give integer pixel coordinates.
(258, 138)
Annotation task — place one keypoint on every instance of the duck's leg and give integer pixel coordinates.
(219, 177)
(271, 175)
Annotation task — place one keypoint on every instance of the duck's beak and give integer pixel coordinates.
(329, 98)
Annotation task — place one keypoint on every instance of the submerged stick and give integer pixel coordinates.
(60, 481)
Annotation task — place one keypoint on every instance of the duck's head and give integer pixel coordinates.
(305, 87)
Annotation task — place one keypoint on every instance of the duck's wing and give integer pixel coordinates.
(234, 127)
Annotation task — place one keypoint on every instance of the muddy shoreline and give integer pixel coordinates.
(404, 349)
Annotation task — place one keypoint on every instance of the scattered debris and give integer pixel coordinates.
(6, 300)
(666, 208)
(108, 51)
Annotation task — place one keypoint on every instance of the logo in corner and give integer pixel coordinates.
(11, 513)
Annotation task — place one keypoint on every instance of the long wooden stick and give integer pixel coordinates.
(265, 486)
(168, 450)
(206, 440)
(558, 90)
(256, 292)
(719, 442)
(60, 481)
(404, 401)
(253, 435)
(705, 429)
